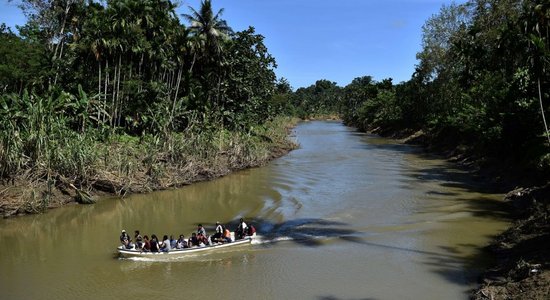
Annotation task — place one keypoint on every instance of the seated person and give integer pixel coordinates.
(146, 244)
(202, 239)
(201, 230)
(193, 240)
(154, 243)
(125, 240)
(139, 240)
(251, 230)
(227, 235)
(173, 242)
(217, 237)
(242, 230)
(165, 244)
(181, 243)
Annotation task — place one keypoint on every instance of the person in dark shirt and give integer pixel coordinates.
(139, 239)
(125, 239)
(193, 240)
(154, 243)
(146, 243)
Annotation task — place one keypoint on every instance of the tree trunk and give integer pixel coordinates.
(67, 8)
(140, 88)
(60, 42)
(542, 111)
(99, 92)
(116, 110)
(176, 95)
(105, 94)
(113, 96)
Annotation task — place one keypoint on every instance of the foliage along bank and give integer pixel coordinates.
(122, 96)
(481, 87)
(481, 90)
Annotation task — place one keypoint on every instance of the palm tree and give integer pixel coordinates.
(209, 26)
(210, 33)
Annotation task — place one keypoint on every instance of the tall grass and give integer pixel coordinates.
(36, 136)
(40, 144)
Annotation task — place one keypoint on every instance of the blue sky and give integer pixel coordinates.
(324, 39)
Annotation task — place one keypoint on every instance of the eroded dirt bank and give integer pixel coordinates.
(522, 251)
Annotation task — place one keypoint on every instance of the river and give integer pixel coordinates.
(346, 216)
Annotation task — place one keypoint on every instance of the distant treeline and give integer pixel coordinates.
(482, 84)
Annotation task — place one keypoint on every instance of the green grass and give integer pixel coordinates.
(40, 150)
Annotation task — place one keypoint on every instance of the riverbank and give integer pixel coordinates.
(523, 257)
(125, 165)
(522, 269)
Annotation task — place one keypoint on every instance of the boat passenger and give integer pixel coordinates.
(181, 243)
(146, 244)
(125, 240)
(227, 235)
(173, 242)
(154, 243)
(217, 237)
(201, 235)
(165, 244)
(251, 230)
(193, 240)
(201, 230)
(139, 240)
(242, 229)
(203, 240)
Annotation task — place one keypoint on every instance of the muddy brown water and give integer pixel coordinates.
(346, 216)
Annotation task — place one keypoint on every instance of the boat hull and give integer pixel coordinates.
(181, 252)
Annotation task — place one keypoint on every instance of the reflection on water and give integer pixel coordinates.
(347, 214)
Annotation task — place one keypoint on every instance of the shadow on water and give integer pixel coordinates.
(449, 263)
(468, 178)
(336, 298)
(308, 232)
(450, 187)
(483, 207)
(454, 180)
(450, 179)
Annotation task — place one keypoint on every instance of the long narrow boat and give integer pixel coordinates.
(181, 252)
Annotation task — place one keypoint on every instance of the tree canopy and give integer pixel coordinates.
(140, 63)
(90, 69)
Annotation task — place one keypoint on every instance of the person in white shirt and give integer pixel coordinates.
(219, 233)
(165, 245)
(242, 229)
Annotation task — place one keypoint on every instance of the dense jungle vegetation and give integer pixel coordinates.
(481, 86)
(122, 96)
(126, 95)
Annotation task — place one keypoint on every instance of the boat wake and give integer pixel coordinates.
(305, 239)
(263, 240)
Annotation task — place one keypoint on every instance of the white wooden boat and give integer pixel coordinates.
(181, 252)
